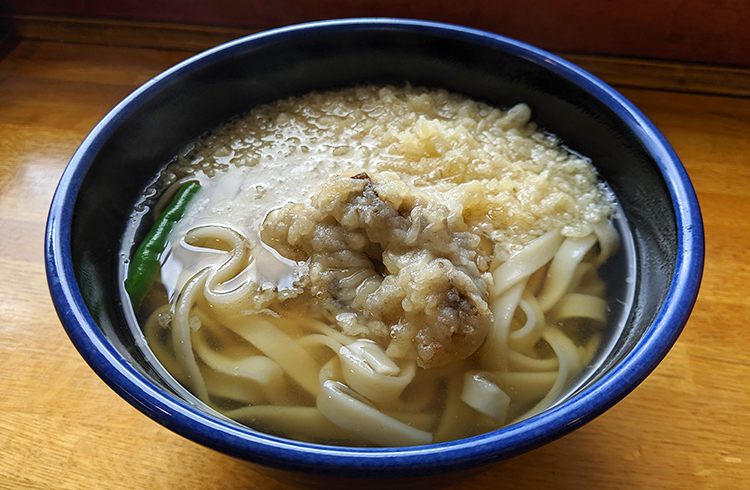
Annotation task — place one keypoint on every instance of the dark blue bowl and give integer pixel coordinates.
(127, 148)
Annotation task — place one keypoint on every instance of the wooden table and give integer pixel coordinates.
(686, 426)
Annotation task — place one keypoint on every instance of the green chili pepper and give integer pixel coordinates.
(145, 264)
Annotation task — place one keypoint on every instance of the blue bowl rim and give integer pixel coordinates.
(303, 457)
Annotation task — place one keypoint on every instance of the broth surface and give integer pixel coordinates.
(380, 266)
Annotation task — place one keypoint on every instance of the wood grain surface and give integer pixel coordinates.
(61, 427)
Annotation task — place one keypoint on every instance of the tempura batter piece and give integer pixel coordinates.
(390, 264)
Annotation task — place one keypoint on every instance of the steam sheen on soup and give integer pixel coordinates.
(384, 266)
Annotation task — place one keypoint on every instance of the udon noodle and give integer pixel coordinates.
(379, 266)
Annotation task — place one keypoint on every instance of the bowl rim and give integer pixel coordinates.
(276, 452)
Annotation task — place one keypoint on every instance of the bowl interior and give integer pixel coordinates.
(129, 147)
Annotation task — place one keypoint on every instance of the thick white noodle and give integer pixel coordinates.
(570, 365)
(524, 263)
(457, 416)
(258, 369)
(561, 270)
(230, 268)
(224, 387)
(527, 336)
(367, 369)
(349, 410)
(363, 395)
(370, 372)
(331, 370)
(581, 275)
(277, 345)
(588, 349)
(299, 422)
(494, 352)
(524, 387)
(154, 330)
(326, 330)
(422, 420)
(181, 338)
(484, 396)
(317, 340)
(580, 306)
(608, 240)
(419, 398)
(518, 361)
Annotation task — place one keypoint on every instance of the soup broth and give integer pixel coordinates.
(385, 266)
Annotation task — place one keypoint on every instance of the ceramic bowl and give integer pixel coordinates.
(139, 136)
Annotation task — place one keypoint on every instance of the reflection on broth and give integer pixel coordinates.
(375, 266)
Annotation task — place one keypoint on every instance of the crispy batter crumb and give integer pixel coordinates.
(387, 263)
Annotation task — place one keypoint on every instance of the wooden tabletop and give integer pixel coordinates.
(686, 426)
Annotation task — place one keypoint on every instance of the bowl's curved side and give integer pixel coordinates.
(81, 265)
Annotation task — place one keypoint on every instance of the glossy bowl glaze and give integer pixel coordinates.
(134, 141)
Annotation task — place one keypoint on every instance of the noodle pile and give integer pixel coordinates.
(381, 266)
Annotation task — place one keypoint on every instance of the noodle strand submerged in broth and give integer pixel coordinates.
(381, 266)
